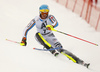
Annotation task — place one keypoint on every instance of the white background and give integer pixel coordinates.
(14, 17)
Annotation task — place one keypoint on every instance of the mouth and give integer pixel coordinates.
(44, 16)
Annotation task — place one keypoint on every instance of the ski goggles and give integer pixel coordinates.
(44, 10)
(42, 13)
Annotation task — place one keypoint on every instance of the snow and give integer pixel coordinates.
(16, 14)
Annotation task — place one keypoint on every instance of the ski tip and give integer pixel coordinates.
(88, 65)
(33, 48)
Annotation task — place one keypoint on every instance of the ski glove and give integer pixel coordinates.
(23, 42)
(49, 27)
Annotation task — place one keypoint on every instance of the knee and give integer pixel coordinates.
(37, 34)
(57, 44)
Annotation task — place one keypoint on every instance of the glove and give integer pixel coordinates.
(23, 42)
(49, 27)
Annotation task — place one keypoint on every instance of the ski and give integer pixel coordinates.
(46, 49)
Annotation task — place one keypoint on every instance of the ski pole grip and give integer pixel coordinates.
(51, 27)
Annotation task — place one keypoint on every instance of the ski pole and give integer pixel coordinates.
(36, 48)
(77, 38)
(13, 41)
(51, 27)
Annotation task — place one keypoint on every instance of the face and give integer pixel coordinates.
(44, 15)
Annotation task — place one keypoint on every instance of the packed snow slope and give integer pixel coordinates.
(14, 17)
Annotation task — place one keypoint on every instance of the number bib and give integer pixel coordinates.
(41, 25)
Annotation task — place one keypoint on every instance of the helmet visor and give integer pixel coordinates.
(44, 10)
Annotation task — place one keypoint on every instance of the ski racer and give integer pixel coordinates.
(43, 22)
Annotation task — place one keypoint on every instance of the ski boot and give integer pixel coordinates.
(55, 53)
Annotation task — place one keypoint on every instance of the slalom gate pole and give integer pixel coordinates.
(51, 27)
(13, 41)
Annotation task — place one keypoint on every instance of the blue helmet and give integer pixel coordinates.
(44, 8)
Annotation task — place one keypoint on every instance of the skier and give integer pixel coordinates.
(45, 36)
